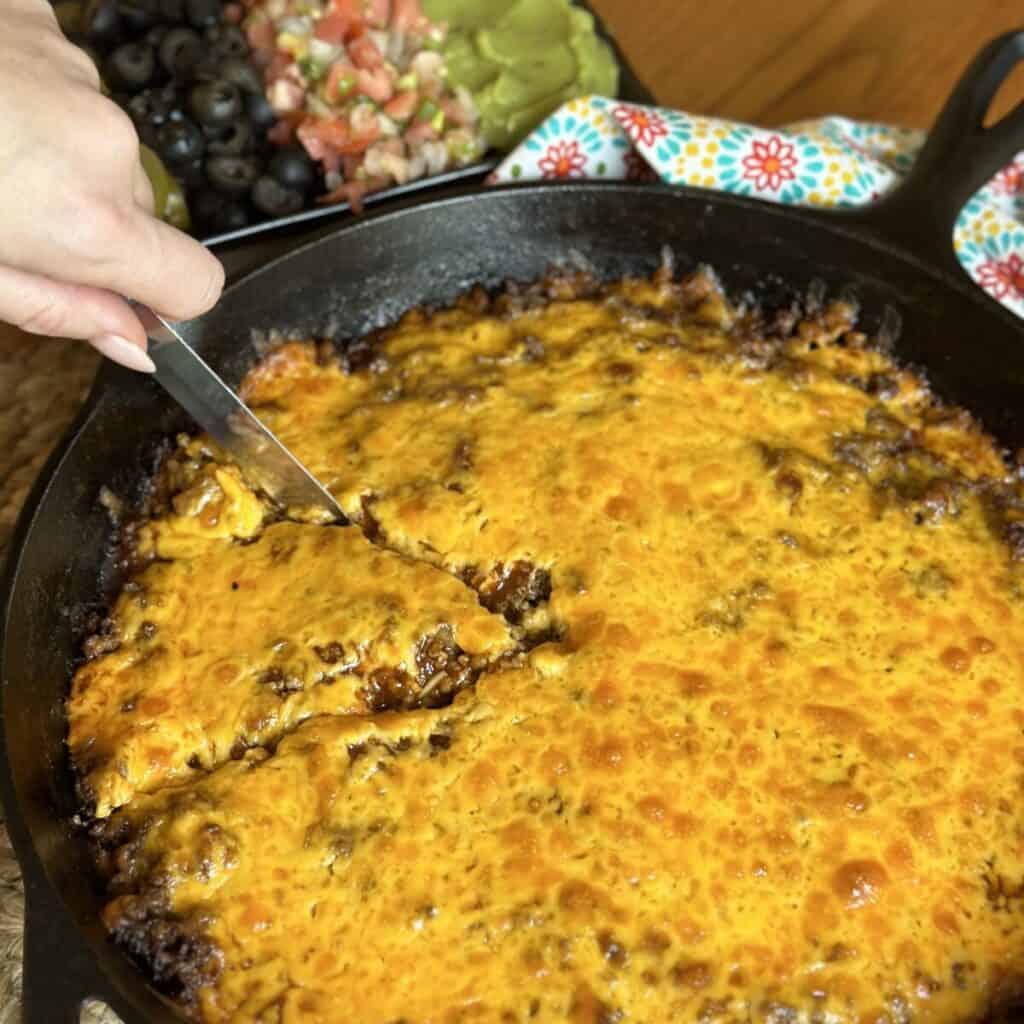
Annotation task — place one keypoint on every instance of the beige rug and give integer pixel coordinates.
(42, 384)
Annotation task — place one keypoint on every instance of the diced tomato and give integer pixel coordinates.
(318, 133)
(283, 132)
(364, 53)
(280, 65)
(455, 113)
(337, 134)
(402, 106)
(350, 192)
(261, 35)
(420, 131)
(343, 21)
(351, 9)
(333, 28)
(353, 192)
(341, 81)
(378, 85)
(407, 15)
(316, 149)
(358, 144)
(378, 12)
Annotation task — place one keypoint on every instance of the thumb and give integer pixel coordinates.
(44, 306)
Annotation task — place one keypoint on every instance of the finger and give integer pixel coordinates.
(142, 190)
(118, 248)
(163, 268)
(119, 350)
(41, 305)
(82, 66)
(72, 59)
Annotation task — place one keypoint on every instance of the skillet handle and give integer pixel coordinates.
(959, 157)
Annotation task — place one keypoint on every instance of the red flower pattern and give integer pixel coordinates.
(770, 163)
(1004, 278)
(1010, 180)
(642, 126)
(563, 160)
(637, 168)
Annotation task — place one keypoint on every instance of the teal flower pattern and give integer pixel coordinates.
(832, 161)
(560, 127)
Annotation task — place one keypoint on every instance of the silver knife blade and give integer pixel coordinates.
(262, 458)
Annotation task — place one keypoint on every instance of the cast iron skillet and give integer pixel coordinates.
(894, 258)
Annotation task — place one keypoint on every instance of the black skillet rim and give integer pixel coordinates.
(41, 892)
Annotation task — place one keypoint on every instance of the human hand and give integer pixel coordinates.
(76, 226)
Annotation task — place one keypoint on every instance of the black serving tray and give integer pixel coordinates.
(288, 230)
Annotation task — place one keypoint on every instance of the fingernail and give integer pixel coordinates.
(123, 351)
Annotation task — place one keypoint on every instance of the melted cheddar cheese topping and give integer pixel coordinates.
(737, 732)
(230, 650)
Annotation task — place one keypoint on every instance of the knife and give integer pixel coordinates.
(261, 457)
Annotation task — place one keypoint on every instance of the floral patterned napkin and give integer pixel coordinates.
(829, 162)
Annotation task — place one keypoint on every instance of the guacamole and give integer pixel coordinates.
(522, 60)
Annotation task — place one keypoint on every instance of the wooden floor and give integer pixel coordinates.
(773, 61)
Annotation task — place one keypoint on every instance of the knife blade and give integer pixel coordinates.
(262, 458)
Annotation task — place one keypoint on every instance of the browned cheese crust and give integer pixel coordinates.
(673, 669)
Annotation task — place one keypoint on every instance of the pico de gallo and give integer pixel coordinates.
(362, 86)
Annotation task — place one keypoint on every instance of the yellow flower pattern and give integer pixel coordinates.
(828, 162)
